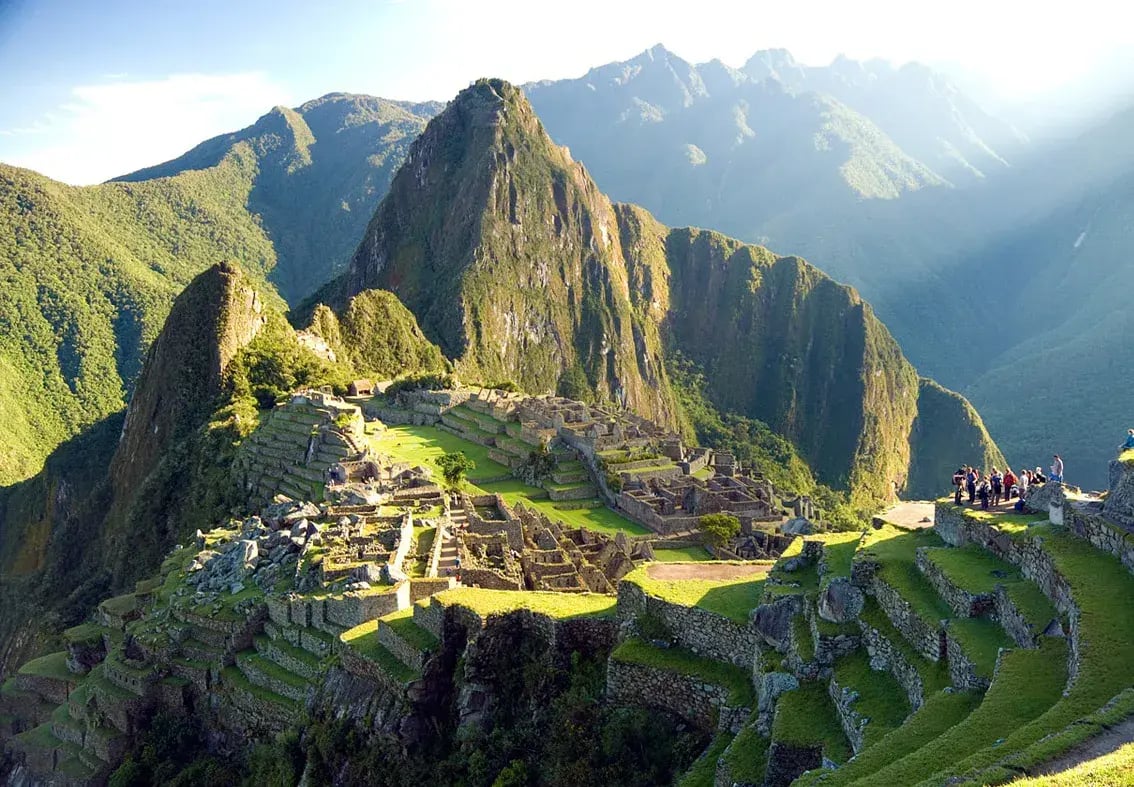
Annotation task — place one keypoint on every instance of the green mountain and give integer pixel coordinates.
(90, 272)
(89, 276)
(519, 268)
(110, 501)
(321, 169)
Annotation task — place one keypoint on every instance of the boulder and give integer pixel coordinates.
(250, 552)
(371, 573)
(800, 526)
(840, 601)
(772, 685)
(772, 622)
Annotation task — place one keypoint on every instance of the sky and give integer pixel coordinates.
(91, 90)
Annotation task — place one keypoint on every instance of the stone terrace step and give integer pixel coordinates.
(196, 650)
(291, 658)
(406, 640)
(284, 708)
(271, 676)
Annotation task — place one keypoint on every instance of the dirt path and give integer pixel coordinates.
(910, 514)
(704, 570)
(1111, 740)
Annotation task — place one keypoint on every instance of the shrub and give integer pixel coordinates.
(718, 529)
(454, 467)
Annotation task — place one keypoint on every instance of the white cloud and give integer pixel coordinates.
(116, 127)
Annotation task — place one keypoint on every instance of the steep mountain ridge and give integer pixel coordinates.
(509, 256)
(109, 502)
(519, 268)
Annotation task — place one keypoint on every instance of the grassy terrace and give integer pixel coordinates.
(801, 633)
(838, 552)
(684, 662)
(1116, 768)
(934, 675)
(880, 697)
(682, 555)
(1127, 457)
(1028, 683)
(561, 606)
(704, 769)
(234, 677)
(748, 756)
(807, 717)
(363, 640)
(977, 570)
(402, 624)
(730, 598)
(940, 712)
(53, 665)
(1102, 589)
(600, 519)
(896, 550)
(424, 445)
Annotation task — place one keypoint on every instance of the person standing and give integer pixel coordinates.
(984, 491)
(997, 481)
(958, 485)
(1056, 469)
(1022, 482)
(970, 485)
(1009, 483)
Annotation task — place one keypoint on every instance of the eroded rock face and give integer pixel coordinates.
(773, 621)
(1119, 504)
(800, 526)
(840, 601)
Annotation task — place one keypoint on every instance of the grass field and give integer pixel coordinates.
(561, 606)
(424, 445)
(681, 555)
(730, 598)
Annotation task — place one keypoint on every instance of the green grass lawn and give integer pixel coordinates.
(600, 520)
(561, 606)
(1116, 768)
(880, 697)
(807, 717)
(730, 598)
(53, 665)
(682, 555)
(838, 553)
(684, 662)
(748, 756)
(424, 445)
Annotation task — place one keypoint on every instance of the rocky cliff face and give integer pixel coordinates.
(947, 432)
(217, 314)
(510, 258)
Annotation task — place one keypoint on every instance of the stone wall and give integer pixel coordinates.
(787, 762)
(962, 670)
(928, 639)
(703, 705)
(884, 654)
(1033, 562)
(703, 632)
(962, 602)
(853, 722)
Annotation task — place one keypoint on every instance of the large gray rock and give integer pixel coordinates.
(772, 685)
(840, 601)
(370, 572)
(772, 622)
(1119, 504)
(800, 526)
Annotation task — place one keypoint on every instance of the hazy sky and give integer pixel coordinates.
(91, 90)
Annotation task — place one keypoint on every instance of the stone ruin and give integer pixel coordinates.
(670, 505)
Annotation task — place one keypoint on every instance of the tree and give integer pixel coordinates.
(717, 529)
(454, 467)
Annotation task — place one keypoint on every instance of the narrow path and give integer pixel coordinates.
(1108, 742)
